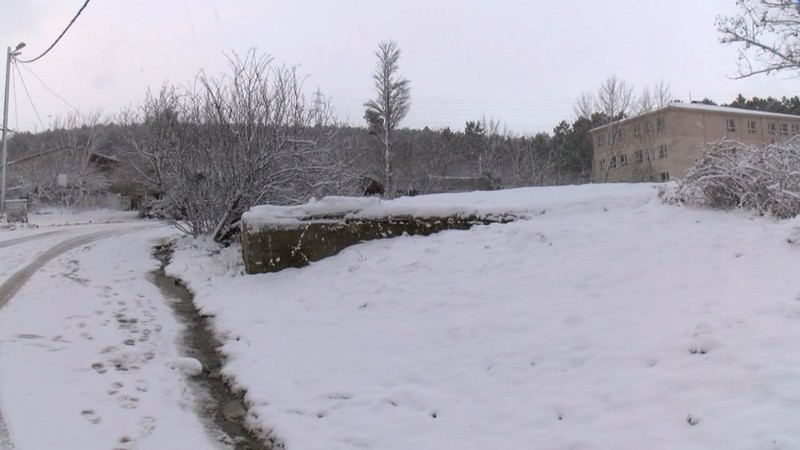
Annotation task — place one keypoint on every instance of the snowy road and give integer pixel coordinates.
(87, 343)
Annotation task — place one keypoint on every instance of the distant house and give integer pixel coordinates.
(662, 144)
(103, 163)
(60, 174)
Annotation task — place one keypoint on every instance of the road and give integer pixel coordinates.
(88, 345)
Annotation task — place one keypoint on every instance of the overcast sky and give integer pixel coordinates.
(521, 62)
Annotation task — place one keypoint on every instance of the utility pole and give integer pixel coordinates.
(9, 55)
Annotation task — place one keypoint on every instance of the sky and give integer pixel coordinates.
(522, 63)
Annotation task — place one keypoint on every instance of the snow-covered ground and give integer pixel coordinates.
(607, 320)
(88, 343)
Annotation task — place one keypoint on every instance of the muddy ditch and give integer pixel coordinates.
(221, 407)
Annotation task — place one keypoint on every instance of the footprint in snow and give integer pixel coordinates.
(115, 387)
(147, 424)
(141, 385)
(127, 442)
(91, 416)
(128, 401)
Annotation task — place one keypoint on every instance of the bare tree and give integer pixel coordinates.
(225, 143)
(766, 32)
(153, 133)
(651, 104)
(613, 100)
(391, 105)
(653, 99)
(81, 142)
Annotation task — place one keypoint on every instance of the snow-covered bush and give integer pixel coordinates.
(730, 174)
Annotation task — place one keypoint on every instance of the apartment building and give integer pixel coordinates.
(660, 145)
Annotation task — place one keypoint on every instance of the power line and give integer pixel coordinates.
(60, 35)
(44, 85)
(29, 96)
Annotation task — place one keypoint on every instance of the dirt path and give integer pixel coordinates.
(13, 284)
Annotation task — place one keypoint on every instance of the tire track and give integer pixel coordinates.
(13, 284)
(32, 237)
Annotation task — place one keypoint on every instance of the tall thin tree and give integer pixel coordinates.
(391, 105)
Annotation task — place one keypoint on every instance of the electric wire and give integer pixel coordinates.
(29, 96)
(44, 85)
(59, 36)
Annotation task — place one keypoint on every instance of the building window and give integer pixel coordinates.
(602, 164)
(648, 126)
(660, 124)
(730, 125)
(638, 156)
(784, 129)
(751, 127)
(771, 129)
(662, 151)
(613, 163)
(623, 160)
(664, 176)
(795, 129)
(637, 130)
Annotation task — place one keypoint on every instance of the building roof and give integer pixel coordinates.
(730, 110)
(59, 149)
(700, 107)
(35, 155)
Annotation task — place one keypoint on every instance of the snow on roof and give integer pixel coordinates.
(700, 107)
(729, 110)
(58, 149)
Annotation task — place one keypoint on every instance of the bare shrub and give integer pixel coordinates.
(730, 174)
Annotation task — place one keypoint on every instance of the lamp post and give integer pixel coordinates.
(9, 55)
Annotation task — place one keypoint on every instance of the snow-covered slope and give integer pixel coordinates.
(606, 320)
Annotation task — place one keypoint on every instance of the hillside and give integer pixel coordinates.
(606, 320)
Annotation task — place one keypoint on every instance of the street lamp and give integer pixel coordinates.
(9, 55)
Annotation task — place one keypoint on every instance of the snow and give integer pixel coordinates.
(87, 343)
(63, 217)
(602, 319)
(516, 202)
(188, 366)
(606, 319)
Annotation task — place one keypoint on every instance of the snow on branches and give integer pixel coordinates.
(730, 174)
